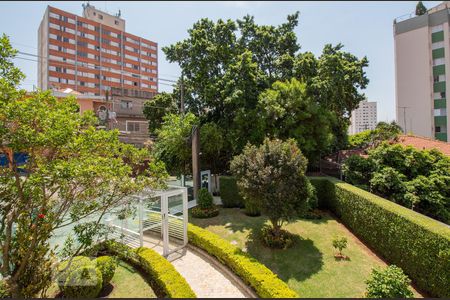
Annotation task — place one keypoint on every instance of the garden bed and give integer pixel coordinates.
(309, 266)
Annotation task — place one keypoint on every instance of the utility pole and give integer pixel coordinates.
(195, 160)
(404, 117)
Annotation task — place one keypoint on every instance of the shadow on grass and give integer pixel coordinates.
(302, 260)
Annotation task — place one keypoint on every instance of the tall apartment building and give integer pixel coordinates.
(94, 56)
(364, 117)
(422, 60)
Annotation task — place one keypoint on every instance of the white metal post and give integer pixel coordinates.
(141, 226)
(185, 216)
(165, 224)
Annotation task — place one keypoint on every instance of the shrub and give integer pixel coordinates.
(107, 266)
(229, 192)
(66, 267)
(164, 274)
(203, 213)
(388, 283)
(272, 176)
(340, 243)
(389, 183)
(403, 237)
(83, 282)
(259, 277)
(205, 199)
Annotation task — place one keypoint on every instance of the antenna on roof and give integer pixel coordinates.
(119, 13)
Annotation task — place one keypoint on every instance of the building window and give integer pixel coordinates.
(437, 45)
(126, 104)
(116, 22)
(100, 17)
(439, 95)
(439, 78)
(440, 112)
(438, 61)
(133, 126)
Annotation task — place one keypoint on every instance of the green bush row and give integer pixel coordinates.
(229, 192)
(412, 241)
(264, 281)
(161, 272)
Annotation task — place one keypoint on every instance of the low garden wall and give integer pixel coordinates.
(259, 277)
(167, 281)
(412, 241)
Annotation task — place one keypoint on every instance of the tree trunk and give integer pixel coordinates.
(276, 228)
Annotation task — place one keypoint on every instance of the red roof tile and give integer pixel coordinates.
(422, 143)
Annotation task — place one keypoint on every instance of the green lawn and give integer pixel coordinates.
(126, 283)
(309, 266)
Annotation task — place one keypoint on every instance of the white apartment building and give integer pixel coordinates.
(422, 60)
(364, 117)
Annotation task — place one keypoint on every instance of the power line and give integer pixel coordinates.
(90, 66)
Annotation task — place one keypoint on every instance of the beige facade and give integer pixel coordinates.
(363, 118)
(422, 60)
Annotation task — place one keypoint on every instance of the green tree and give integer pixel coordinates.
(273, 176)
(388, 283)
(157, 107)
(289, 112)
(389, 183)
(358, 170)
(211, 139)
(420, 9)
(73, 171)
(173, 144)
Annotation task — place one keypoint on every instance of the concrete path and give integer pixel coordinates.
(205, 275)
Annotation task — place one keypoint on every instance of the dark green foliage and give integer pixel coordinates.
(229, 192)
(205, 199)
(107, 266)
(388, 283)
(412, 241)
(252, 272)
(420, 9)
(228, 64)
(358, 170)
(389, 183)
(157, 107)
(417, 179)
(272, 176)
(204, 213)
(83, 282)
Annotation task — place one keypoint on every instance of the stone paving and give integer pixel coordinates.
(205, 279)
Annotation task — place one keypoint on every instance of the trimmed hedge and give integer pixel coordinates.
(161, 271)
(264, 281)
(229, 192)
(412, 241)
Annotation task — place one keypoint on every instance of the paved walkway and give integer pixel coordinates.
(202, 273)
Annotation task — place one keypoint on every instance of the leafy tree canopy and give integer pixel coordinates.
(73, 171)
(228, 64)
(420, 9)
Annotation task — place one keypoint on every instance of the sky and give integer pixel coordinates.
(364, 28)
